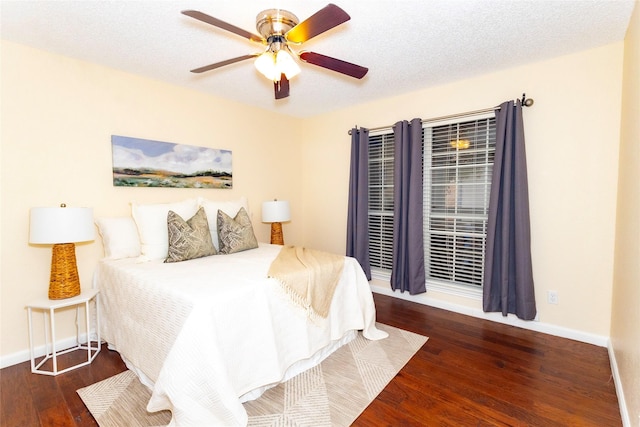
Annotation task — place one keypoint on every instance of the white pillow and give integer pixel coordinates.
(151, 221)
(230, 207)
(119, 237)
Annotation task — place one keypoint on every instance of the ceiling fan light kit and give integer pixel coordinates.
(278, 28)
(273, 65)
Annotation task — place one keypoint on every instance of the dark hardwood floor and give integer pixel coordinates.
(470, 373)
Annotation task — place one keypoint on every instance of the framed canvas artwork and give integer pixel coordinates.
(147, 163)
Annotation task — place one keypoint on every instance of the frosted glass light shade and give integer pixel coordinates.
(266, 64)
(61, 225)
(276, 211)
(286, 64)
(273, 65)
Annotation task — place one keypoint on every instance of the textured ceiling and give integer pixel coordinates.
(406, 44)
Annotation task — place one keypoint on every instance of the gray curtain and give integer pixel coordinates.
(508, 276)
(408, 273)
(358, 206)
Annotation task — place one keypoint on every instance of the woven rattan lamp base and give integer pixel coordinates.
(276, 234)
(64, 281)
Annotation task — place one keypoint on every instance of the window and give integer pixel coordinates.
(457, 165)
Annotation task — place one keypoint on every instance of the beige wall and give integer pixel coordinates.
(625, 311)
(58, 115)
(572, 138)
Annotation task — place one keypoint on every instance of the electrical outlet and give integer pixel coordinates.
(552, 297)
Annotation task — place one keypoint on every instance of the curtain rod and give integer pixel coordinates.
(526, 102)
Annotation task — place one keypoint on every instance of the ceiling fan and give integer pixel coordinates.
(279, 29)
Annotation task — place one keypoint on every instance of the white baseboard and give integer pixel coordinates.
(624, 411)
(537, 326)
(24, 355)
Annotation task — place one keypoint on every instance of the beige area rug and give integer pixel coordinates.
(333, 393)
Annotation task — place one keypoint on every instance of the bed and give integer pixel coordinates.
(212, 332)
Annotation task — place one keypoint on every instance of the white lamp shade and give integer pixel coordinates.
(61, 225)
(276, 211)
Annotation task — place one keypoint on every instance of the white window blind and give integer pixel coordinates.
(457, 165)
(381, 200)
(458, 162)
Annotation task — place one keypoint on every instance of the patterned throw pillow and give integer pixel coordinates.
(230, 207)
(189, 239)
(235, 234)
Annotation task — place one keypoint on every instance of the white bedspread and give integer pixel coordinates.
(207, 333)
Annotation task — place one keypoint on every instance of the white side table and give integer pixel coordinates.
(48, 308)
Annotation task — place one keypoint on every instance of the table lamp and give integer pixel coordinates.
(62, 227)
(276, 212)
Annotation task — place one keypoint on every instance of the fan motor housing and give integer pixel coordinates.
(272, 22)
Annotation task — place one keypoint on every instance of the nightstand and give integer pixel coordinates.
(48, 308)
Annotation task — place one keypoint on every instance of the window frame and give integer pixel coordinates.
(443, 286)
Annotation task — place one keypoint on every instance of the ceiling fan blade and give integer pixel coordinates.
(221, 24)
(223, 63)
(334, 64)
(281, 88)
(325, 19)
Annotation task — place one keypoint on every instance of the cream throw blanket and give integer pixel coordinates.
(308, 276)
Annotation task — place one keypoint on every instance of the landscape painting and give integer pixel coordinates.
(146, 163)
